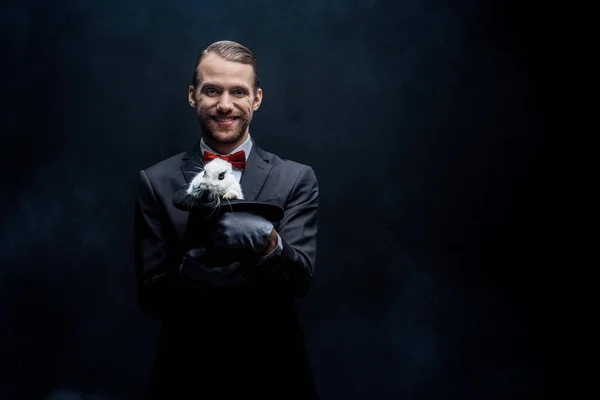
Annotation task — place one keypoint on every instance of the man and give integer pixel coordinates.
(225, 333)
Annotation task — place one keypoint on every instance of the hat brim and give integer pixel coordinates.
(184, 202)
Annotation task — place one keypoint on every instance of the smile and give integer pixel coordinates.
(224, 120)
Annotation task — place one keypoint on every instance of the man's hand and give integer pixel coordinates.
(272, 242)
(244, 230)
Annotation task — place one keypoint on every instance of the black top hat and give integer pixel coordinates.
(185, 202)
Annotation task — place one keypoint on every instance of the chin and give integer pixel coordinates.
(225, 137)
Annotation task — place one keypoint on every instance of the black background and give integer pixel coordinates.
(424, 122)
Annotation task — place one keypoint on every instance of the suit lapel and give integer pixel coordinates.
(256, 172)
(191, 164)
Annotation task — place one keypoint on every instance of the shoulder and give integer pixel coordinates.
(289, 176)
(162, 177)
(285, 165)
(166, 167)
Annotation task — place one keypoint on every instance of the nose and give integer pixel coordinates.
(224, 104)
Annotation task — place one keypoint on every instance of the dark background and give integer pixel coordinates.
(424, 122)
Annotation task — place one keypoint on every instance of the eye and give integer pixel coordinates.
(222, 175)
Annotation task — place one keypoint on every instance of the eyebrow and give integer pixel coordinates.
(238, 86)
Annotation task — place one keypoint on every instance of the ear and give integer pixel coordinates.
(257, 99)
(191, 98)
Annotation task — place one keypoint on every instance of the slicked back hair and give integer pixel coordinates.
(230, 51)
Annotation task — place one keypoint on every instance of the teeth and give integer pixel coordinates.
(224, 119)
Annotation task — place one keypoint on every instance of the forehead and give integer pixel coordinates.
(216, 70)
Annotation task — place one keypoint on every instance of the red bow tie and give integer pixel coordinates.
(237, 160)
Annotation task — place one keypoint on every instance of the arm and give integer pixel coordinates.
(292, 248)
(160, 291)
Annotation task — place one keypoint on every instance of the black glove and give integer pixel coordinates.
(240, 230)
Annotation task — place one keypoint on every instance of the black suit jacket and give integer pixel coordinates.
(229, 330)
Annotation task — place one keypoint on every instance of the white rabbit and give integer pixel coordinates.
(216, 181)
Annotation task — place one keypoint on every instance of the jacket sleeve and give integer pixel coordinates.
(292, 269)
(161, 293)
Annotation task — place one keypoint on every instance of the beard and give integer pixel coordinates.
(223, 134)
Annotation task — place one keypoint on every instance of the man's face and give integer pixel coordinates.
(224, 100)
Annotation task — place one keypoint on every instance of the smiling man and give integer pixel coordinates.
(227, 331)
(225, 94)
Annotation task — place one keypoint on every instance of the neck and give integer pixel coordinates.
(224, 148)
